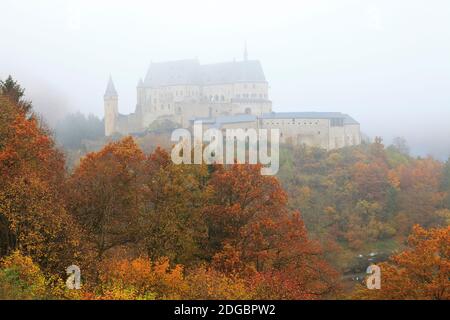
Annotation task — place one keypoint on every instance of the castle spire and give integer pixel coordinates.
(245, 51)
(110, 89)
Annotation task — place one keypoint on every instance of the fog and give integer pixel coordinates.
(385, 62)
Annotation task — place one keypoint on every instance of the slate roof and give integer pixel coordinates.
(227, 119)
(179, 72)
(231, 72)
(110, 89)
(276, 115)
(310, 115)
(190, 72)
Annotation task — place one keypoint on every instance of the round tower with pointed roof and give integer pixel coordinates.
(111, 102)
(140, 97)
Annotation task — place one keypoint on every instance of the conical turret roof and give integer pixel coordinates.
(110, 89)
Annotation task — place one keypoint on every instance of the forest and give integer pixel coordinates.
(141, 227)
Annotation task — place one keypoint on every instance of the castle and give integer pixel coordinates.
(223, 95)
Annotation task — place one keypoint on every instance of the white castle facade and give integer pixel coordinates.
(223, 95)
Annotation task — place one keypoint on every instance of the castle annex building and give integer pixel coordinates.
(222, 95)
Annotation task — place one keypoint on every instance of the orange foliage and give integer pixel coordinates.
(206, 284)
(33, 218)
(104, 195)
(256, 235)
(371, 180)
(141, 278)
(420, 272)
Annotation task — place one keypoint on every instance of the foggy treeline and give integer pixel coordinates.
(75, 128)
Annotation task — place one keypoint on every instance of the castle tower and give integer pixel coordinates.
(111, 108)
(245, 51)
(140, 97)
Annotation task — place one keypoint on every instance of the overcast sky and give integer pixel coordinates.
(385, 62)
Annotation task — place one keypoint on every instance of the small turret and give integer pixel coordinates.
(111, 107)
(245, 52)
(140, 97)
(110, 89)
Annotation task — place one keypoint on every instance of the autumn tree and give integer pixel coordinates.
(420, 272)
(298, 269)
(244, 204)
(22, 279)
(206, 283)
(172, 224)
(254, 234)
(371, 180)
(104, 195)
(141, 278)
(445, 183)
(33, 218)
(420, 196)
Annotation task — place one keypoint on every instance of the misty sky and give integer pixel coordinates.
(385, 62)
